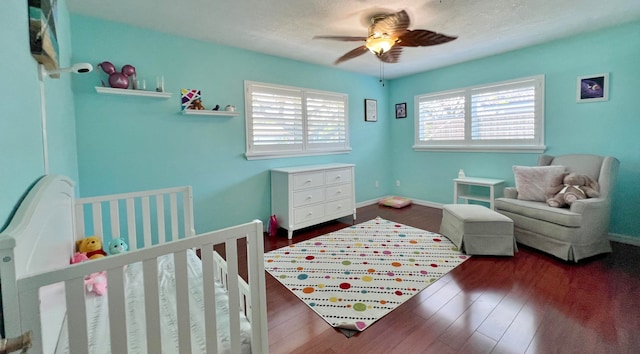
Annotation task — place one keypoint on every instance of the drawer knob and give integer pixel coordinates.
(338, 177)
(309, 197)
(308, 181)
(339, 191)
(310, 213)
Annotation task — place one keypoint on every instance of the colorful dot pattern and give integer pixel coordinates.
(355, 276)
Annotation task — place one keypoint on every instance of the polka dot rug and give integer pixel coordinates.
(354, 276)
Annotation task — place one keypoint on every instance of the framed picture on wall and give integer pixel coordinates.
(370, 110)
(401, 110)
(42, 33)
(593, 88)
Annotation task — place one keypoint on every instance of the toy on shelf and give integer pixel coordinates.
(118, 79)
(197, 105)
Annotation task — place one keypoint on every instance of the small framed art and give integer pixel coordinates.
(401, 110)
(593, 88)
(370, 110)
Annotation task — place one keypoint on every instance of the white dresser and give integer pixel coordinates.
(303, 196)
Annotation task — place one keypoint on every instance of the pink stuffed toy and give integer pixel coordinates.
(79, 257)
(95, 282)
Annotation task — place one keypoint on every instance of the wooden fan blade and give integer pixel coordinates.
(342, 38)
(352, 54)
(393, 24)
(422, 38)
(391, 56)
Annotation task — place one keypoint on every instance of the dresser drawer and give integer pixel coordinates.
(339, 191)
(308, 196)
(342, 175)
(308, 213)
(308, 180)
(338, 207)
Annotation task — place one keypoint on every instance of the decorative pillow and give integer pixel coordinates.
(532, 182)
(395, 202)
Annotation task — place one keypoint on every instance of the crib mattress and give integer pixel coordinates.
(98, 323)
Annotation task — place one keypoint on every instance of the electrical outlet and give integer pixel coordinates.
(377, 184)
(398, 183)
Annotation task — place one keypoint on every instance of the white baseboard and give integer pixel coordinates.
(629, 240)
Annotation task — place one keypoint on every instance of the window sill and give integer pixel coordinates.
(279, 155)
(537, 149)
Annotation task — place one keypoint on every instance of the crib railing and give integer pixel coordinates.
(137, 216)
(73, 280)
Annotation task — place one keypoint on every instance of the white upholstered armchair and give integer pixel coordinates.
(571, 233)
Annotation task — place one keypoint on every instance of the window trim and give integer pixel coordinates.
(468, 145)
(307, 149)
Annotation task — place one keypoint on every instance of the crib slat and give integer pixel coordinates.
(30, 302)
(146, 221)
(131, 225)
(79, 221)
(182, 301)
(152, 305)
(115, 219)
(187, 206)
(174, 216)
(209, 294)
(231, 250)
(162, 238)
(257, 313)
(96, 210)
(76, 319)
(117, 316)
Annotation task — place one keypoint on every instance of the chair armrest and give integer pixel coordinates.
(510, 192)
(583, 206)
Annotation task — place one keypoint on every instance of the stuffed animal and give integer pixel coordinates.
(197, 105)
(117, 245)
(96, 283)
(79, 257)
(574, 187)
(92, 246)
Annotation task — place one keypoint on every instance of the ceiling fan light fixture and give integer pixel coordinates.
(379, 44)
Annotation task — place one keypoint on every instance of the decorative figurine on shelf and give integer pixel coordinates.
(118, 79)
(197, 105)
(217, 107)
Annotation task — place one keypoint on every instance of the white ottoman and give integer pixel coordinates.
(478, 230)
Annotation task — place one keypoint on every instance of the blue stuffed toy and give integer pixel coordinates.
(117, 245)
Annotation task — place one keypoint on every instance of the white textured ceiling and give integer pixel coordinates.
(286, 28)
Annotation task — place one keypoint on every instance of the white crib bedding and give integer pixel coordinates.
(97, 313)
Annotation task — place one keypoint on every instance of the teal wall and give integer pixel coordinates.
(602, 128)
(128, 143)
(21, 147)
(120, 143)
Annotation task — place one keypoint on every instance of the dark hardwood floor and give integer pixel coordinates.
(529, 303)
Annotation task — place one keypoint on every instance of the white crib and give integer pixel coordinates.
(42, 293)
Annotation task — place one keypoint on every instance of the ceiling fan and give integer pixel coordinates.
(388, 33)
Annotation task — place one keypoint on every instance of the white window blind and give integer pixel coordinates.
(285, 121)
(501, 116)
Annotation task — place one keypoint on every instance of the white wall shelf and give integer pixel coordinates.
(205, 112)
(117, 91)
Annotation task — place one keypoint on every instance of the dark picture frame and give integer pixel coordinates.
(370, 110)
(592, 88)
(42, 33)
(401, 110)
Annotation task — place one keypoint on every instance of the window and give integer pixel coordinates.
(291, 121)
(496, 117)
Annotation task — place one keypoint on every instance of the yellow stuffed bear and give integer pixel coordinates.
(92, 246)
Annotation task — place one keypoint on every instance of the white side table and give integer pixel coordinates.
(462, 190)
